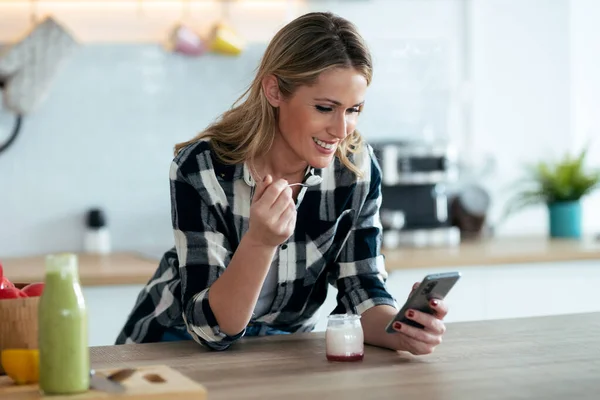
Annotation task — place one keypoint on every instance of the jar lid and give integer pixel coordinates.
(343, 317)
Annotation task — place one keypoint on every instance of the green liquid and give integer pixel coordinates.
(63, 336)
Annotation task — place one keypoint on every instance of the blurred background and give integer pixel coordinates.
(499, 82)
(466, 94)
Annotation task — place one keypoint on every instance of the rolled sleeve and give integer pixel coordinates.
(203, 326)
(359, 272)
(203, 252)
(362, 286)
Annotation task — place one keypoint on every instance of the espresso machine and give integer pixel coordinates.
(415, 210)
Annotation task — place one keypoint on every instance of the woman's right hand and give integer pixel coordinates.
(272, 213)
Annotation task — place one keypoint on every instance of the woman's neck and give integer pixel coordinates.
(281, 163)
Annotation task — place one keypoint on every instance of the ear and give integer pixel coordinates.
(271, 90)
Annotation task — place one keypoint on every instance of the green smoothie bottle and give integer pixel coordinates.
(63, 336)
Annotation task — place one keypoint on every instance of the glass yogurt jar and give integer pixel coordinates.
(344, 338)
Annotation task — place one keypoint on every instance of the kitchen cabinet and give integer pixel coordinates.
(505, 290)
(484, 292)
(501, 278)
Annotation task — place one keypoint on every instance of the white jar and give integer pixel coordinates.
(97, 237)
(344, 338)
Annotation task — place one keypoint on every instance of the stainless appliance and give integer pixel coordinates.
(415, 209)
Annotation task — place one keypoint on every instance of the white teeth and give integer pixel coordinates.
(321, 143)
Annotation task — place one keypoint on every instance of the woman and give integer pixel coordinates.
(254, 256)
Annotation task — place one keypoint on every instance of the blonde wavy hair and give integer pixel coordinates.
(297, 54)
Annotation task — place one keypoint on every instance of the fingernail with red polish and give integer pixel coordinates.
(397, 325)
(434, 303)
(410, 314)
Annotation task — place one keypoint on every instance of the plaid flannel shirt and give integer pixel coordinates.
(336, 241)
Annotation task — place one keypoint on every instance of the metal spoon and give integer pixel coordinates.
(311, 181)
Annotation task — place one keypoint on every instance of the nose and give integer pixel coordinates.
(339, 126)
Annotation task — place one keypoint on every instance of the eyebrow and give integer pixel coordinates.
(337, 103)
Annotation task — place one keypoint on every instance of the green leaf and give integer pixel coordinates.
(549, 182)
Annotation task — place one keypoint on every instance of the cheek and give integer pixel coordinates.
(351, 123)
(289, 124)
(315, 125)
(301, 124)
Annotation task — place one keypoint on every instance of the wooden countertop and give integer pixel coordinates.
(550, 358)
(135, 268)
(94, 270)
(517, 250)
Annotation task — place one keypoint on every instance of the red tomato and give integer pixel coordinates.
(5, 283)
(33, 289)
(11, 293)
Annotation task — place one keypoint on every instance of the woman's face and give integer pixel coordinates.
(316, 118)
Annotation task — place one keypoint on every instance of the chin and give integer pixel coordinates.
(321, 162)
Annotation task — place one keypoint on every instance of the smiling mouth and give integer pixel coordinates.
(328, 146)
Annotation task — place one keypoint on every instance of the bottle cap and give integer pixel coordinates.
(63, 262)
(96, 218)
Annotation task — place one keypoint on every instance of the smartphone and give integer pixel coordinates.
(433, 286)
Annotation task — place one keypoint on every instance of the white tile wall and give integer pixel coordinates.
(105, 135)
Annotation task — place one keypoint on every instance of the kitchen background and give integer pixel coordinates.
(506, 81)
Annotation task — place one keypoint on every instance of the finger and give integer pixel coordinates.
(414, 287)
(417, 334)
(439, 307)
(261, 187)
(430, 323)
(419, 348)
(281, 204)
(272, 192)
(289, 219)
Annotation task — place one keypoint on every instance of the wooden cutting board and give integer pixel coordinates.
(148, 382)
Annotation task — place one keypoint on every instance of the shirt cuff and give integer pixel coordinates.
(204, 327)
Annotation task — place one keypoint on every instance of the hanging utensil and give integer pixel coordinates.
(223, 38)
(14, 127)
(29, 67)
(183, 39)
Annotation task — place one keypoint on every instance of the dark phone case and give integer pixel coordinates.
(434, 286)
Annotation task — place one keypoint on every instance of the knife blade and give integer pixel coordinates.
(102, 383)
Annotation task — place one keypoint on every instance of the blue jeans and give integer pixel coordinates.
(175, 335)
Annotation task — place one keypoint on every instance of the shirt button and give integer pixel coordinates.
(284, 247)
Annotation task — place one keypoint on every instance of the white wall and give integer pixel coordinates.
(105, 135)
(519, 54)
(535, 78)
(585, 92)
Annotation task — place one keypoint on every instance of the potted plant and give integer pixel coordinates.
(559, 185)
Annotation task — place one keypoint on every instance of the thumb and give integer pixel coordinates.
(261, 187)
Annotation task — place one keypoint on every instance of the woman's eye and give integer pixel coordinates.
(354, 110)
(323, 109)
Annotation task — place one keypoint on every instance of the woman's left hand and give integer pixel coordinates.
(422, 341)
